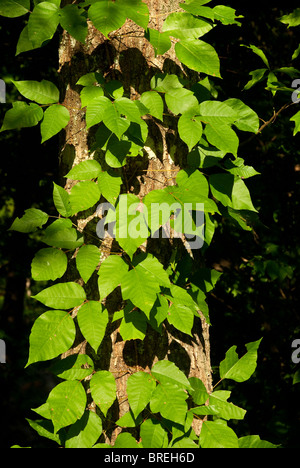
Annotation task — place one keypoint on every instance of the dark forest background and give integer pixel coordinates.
(258, 293)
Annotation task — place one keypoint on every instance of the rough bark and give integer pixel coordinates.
(131, 59)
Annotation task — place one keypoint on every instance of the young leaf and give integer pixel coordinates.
(14, 8)
(85, 432)
(67, 402)
(226, 410)
(22, 115)
(153, 101)
(52, 334)
(140, 387)
(42, 23)
(216, 434)
(103, 390)
(239, 369)
(49, 264)
(296, 119)
(92, 321)
(87, 259)
(254, 441)
(247, 120)
(61, 200)
(293, 19)
(56, 118)
(73, 20)
(43, 92)
(62, 296)
(198, 56)
(30, 221)
(96, 110)
(226, 15)
(181, 100)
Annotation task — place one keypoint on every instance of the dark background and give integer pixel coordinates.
(257, 295)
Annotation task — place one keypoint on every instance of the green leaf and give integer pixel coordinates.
(186, 26)
(56, 118)
(43, 92)
(67, 402)
(181, 317)
(181, 100)
(52, 334)
(62, 296)
(126, 441)
(260, 54)
(128, 108)
(73, 367)
(87, 259)
(153, 435)
(163, 82)
(61, 200)
(254, 441)
(241, 369)
(111, 118)
(85, 432)
(45, 429)
(24, 43)
(103, 390)
(215, 434)
(190, 129)
(226, 410)
(92, 321)
(49, 264)
(111, 273)
(247, 120)
(30, 221)
(131, 227)
(61, 234)
(85, 170)
(154, 103)
(198, 56)
(89, 93)
(43, 23)
(222, 137)
(198, 392)
(110, 185)
(140, 387)
(170, 401)
(195, 7)
(136, 10)
(106, 16)
(226, 15)
(293, 19)
(83, 196)
(296, 119)
(141, 284)
(167, 372)
(134, 324)
(22, 115)
(231, 191)
(14, 8)
(160, 41)
(257, 76)
(96, 110)
(73, 20)
(117, 151)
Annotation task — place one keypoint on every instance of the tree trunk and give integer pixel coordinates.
(129, 57)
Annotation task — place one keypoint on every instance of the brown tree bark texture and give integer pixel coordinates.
(129, 57)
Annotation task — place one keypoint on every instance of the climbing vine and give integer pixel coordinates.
(211, 182)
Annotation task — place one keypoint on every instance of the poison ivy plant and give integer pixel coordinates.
(163, 402)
